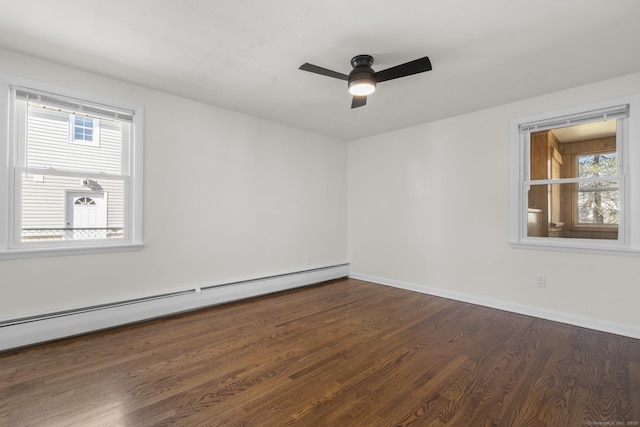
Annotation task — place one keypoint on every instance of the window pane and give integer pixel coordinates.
(585, 210)
(598, 203)
(83, 121)
(67, 208)
(586, 150)
(597, 165)
(48, 144)
(83, 128)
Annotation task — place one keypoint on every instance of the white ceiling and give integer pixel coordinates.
(244, 55)
(594, 130)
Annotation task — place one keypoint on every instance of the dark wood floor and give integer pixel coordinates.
(343, 353)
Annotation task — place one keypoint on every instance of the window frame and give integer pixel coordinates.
(95, 134)
(628, 156)
(10, 245)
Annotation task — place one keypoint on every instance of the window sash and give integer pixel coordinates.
(618, 113)
(21, 166)
(15, 234)
(20, 144)
(526, 186)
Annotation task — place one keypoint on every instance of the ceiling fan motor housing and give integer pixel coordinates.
(362, 72)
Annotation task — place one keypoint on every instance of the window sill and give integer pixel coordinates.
(76, 250)
(582, 249)
(580, 227)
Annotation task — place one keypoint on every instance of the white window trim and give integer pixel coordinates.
(133, 200)
(628, 146)
(95, 140)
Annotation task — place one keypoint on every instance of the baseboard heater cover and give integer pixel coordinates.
(20, 332)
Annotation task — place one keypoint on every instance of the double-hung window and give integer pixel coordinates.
(71, 172)
(575, 176)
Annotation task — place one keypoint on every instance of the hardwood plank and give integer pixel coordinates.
(345, 352)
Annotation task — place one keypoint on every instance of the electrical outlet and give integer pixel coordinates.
(307, 260)
(541, 281)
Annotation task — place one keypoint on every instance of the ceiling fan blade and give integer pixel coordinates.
(323, 71)
(414, 67)
(358, 101)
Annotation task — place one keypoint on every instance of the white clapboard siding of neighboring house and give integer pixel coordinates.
(46, 198)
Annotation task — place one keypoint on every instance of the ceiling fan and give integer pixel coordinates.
(362, 80)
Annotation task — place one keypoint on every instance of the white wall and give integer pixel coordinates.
(429, 210)
(227, 197)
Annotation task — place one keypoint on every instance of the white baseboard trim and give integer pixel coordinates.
(21, 332)
(542, 313)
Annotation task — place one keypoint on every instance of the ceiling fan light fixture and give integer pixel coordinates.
(362, 87)
(362, 80)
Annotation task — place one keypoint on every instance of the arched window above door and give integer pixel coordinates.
(85, 201)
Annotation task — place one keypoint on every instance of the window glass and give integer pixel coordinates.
(598, 202)
(64, 207)
(574, 162)
(590, 165)
(47, 142)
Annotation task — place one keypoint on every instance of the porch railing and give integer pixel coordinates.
(35, 234)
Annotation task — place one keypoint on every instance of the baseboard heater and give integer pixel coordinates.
(29, 330)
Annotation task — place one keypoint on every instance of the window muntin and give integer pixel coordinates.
(85, 201)
(43, 169)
